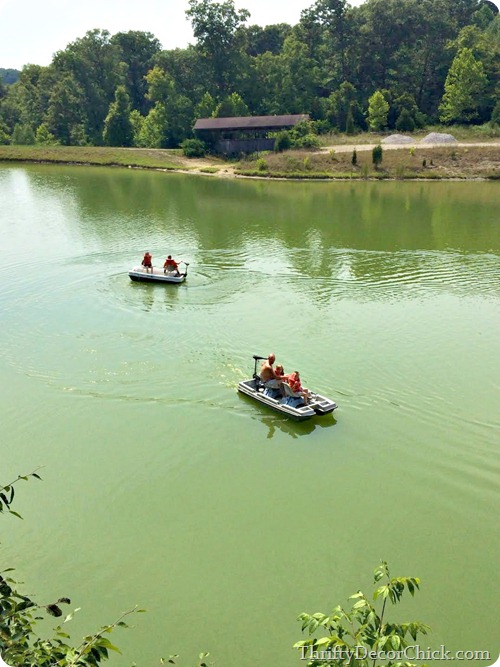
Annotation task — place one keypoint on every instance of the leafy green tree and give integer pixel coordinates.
(138, 51)
(23, 135)
(215, 26)
(336, 34)
(205, 107)
(463, 90)
(32, 91)
(405, 122)
(66, 109)
(231, 106)
(398, 104)
(299, 83)
(4, 134)
(95, 64)
(136, 120)
(402, 45)
(189, 70)
(78, 136)
(342, 102)
(378, 109)
(44, 137)
(173, 110)
(265, 40)
(485, 46)
(267, 76)
(354, 636)
(118, 130)
(483, 17)
(495, 114)
(9, 76)
(153, 132)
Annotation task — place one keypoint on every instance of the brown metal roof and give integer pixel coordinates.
(250, 122)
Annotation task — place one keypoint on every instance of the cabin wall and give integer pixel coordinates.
(237, 146)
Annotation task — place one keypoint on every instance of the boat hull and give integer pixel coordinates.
(319, 405)
(139, 274)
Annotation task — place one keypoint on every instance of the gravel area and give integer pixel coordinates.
(438, 138)
(397, 139)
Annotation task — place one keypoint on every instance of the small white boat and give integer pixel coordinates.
(284, 400)
(140, 273)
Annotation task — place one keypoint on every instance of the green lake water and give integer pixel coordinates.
(164, 487)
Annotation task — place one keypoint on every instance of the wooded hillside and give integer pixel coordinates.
(383, 65)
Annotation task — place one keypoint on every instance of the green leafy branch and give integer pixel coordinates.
(362, 631)
(7, 492)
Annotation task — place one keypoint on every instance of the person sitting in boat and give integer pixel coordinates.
(279, 371)
(171, 266)
(268, 375)
(293, 381)
(147, 262)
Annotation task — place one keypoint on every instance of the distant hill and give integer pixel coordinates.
(9, 75)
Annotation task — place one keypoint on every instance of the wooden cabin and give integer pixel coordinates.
(244, 134)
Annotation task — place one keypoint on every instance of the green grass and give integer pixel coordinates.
(96, 155)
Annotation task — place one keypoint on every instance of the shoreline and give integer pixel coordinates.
(457, 161)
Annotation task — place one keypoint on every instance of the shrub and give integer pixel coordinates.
(377, 155)
(307, 141)
(262, 164)
(354, 159)
(193, 148)
(282, 142)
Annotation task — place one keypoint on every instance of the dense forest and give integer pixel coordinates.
(383, 65)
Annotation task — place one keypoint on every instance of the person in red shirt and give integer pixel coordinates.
(295, 385)
(171, 265)
(147, 262)
(279, 371)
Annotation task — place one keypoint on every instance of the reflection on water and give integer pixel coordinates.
(280, 423)
(384, 295)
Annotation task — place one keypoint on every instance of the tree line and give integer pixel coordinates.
(387, 64)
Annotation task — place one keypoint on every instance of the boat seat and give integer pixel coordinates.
(288, 391)
(295, 400)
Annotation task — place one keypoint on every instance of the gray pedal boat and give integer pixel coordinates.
(140, 274)
(284, 400)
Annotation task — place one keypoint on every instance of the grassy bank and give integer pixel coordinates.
(98, 155)
(406, 162)
(443, 162)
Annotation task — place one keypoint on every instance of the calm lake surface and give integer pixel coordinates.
(164, 487)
